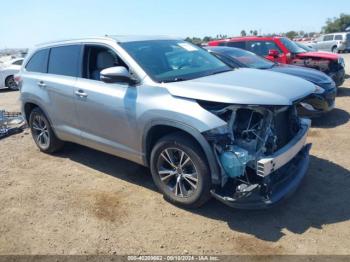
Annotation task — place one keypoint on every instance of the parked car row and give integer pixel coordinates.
(223, 125)
(285, 51)
(321, 102)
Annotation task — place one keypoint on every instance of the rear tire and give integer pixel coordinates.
(180, 171)
(10, 83)
(42, 132)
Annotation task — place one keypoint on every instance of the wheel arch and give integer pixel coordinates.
(28, 108)
(158, 129)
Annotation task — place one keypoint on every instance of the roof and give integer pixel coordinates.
(135, 38)
(117, 38)
(244, 38)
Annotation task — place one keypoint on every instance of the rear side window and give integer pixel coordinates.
(236, 44)
(328, 37)
(338, 37)
(64, 60)
(38, 62)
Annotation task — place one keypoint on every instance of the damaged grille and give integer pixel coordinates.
(283, 127)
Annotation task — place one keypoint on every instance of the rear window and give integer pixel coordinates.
(38, 62)
(64, 60)
(338, 37)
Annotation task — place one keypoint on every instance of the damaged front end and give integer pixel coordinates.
(261, 152)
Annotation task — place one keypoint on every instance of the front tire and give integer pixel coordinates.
(334, 49)
(42, 132)
(180, 171)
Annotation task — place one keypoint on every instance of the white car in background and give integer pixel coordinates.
(8, 70)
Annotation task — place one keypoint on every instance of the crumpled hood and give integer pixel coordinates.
(244, 86)
(325, 55)
(308, 74)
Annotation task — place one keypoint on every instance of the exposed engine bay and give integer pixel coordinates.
(251, 133)
(318, 64)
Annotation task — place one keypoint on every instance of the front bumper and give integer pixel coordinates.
(338, 76)
(321, 103)
(281, 175)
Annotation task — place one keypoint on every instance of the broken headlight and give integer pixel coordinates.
(318, 90)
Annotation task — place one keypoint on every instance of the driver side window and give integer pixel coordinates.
(98, 58)
(262, 48)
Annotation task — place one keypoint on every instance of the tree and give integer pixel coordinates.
(194, 40)
(207, 39)
(336, 24)
(243, 33)
(291, 34)
(255, 32)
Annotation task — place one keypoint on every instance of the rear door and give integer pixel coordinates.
(63, 70)
(347, 39)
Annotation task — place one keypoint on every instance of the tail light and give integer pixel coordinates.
(18, 80)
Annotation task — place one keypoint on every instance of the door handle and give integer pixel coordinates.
(41, 84)
(81, 93)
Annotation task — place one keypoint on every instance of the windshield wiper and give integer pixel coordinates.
(221, 71)
(176, 79)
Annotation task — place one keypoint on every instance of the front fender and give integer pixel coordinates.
(213, 166)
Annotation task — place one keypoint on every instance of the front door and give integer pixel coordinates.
(106, 111)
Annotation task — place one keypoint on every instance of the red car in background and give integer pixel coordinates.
(283, 50)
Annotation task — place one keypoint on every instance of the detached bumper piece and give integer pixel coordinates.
(10, 123)
(280, 175)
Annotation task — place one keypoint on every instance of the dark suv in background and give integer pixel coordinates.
(285, 51)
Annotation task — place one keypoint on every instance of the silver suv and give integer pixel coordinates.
(336, 42)
(202, 128)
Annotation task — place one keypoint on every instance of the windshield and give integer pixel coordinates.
(173, 60)
(249, 59)
(305, 47)
(291, 46)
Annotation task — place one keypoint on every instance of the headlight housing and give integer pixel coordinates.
(341, 61)
(318, 90)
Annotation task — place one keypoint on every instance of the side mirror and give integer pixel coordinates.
(116, 74)
(274, 53)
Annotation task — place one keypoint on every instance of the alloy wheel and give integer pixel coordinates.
(178, 172)
(40, 131)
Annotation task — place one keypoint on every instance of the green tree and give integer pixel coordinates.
(255, 32)
(243, 33)
(207, 39)
(291, 34)
(336, 24)
(194, 40)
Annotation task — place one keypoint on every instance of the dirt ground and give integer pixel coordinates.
(81, 201)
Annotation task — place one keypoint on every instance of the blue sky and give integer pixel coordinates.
(28, 22)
